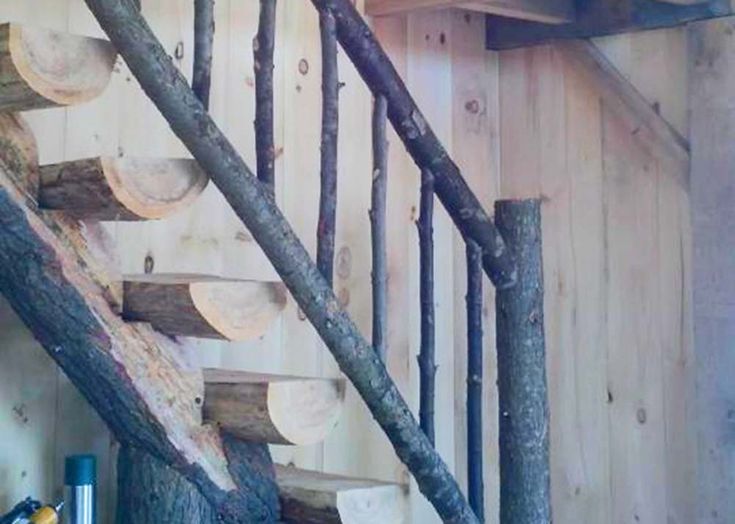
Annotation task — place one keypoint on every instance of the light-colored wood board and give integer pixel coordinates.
(635, 380)
(475, 135)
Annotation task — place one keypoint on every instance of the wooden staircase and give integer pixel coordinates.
(115, 337)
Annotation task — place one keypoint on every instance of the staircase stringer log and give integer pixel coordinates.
(131, 375)
(378, 72)
(168, 89)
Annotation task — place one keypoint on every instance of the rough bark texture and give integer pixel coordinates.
(169, 91)
(64, 302)
(263, 48)
(378, 227)
(475, 484)
(203, 46)
(522, 392)
(151, 492)
(378, 72)
(330, 128)
(426, 358)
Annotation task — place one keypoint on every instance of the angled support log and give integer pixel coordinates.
(133, 377)
(112, 188)
(41, 68)
(376, 69)
(203, 306)
(316, 498)
(271, 408)
(171, 94)
(522, 391)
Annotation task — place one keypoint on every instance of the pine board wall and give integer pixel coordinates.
(523, 123)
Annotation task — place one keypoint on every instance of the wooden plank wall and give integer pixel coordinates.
(520, 124)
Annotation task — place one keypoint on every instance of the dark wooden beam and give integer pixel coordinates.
(601, 17)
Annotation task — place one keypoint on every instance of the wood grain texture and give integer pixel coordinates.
(317, 498)
(203, 306)
(42, 68)
(712, 70)
(271, 408)
(108, 188)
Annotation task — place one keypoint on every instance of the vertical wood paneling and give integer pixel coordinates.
(519, 124)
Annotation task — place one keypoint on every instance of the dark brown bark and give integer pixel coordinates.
(263, 48)
(475, 484)
(377, 71)
(203, 45)
(426, 358)
(522, 391)
(168, 90)
(330, 128)
(151, 492)
(378, 227)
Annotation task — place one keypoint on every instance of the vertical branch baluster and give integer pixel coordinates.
(378, 226)
(330, 127)
(475, 486)
(427, 366)
(263, 49)
(203, 44)
(522, 389)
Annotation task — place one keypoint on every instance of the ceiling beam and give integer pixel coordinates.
(543, 11)
(602, 17)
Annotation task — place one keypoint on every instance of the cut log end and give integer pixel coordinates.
(41, 68)
(203, 306)
(272, 408)
(110, 188)
(310, 498)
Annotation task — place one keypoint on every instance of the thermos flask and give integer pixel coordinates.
(79, 480)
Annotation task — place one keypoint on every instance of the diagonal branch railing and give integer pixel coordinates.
(255, 206)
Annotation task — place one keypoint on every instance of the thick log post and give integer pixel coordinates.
(326, 228)
(378, 72)
(522, 391)
(475, 484)
(168, 89)
(264, 45)
(203, 48)
(378, 227)
(426, 358)
(151, 492)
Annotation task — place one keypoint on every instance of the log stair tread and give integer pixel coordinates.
(272, 408)
(40, 68)
(317, 498)
(121, 188)
(203, 306)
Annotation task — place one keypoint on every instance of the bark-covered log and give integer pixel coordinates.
(160, 79)
(264, 45)
(151, 492)
(522, 391)
(41, 68)
(475, 484)
(114, 188)
(132, 376)
(272, 408)
(326, 228)
(203, 49)
(426, 358)
(203, 306)
(378, 227)
(378, 72)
